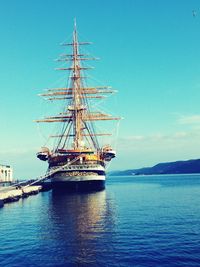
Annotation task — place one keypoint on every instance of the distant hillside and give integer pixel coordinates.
(177, 167)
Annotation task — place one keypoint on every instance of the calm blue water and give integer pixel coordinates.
(136, 221)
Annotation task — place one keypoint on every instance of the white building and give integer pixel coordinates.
(6, 173)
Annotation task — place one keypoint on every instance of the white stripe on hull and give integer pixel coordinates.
(63, 177)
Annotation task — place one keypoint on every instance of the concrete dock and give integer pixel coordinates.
(8, 195)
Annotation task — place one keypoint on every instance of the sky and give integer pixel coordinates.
(150, 53)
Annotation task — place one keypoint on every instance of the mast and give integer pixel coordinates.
(77, 118)
(77, 107)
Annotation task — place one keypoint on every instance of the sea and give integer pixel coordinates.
(136, 221)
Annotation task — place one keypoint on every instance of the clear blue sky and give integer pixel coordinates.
(150, 53)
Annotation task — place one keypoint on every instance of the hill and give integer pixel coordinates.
(177, 167)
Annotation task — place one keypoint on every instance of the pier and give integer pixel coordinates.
(23, 189)
(8, 195)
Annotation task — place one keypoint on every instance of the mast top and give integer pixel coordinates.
(75, 24)
(75, 38)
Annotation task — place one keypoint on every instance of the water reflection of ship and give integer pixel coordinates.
(81, 222)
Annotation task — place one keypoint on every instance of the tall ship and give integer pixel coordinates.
(77, 161)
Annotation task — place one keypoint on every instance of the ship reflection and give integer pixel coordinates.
(79, 224)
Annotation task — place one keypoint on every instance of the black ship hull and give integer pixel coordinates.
(79, 186)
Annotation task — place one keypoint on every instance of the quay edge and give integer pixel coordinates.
(12, 195)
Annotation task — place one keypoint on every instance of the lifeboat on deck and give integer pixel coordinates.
(108, 153)
(43, 154)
